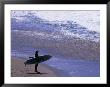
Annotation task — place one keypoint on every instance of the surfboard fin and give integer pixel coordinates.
(25, 64)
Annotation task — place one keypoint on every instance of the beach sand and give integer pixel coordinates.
(18, 69)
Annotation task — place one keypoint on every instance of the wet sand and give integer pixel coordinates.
(18, 69)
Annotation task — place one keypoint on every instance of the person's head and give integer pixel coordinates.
(37, 51)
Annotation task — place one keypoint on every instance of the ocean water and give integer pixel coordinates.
(74, 45)
(66, 67)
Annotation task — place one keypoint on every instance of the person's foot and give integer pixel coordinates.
(37, 72)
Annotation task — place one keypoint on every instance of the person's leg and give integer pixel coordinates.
(36, 65)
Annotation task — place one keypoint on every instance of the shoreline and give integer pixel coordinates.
(18, 69)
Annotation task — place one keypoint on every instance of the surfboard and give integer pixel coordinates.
(37, 60)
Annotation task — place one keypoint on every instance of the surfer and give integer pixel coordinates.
(36, 65)
(36, 60)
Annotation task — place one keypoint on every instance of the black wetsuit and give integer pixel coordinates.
(36, 65)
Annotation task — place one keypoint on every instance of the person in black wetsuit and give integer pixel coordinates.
(36, 65)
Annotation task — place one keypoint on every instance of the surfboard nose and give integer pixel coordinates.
(49, 56)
